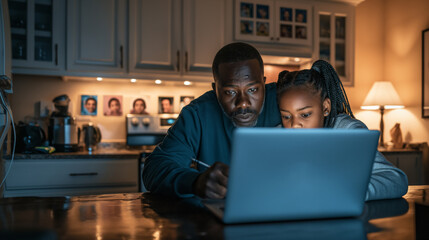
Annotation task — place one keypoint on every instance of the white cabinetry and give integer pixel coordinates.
(288, 22)
(334, 37)
(175, 38)
(38, 36)
(96, 36)
(60, 177)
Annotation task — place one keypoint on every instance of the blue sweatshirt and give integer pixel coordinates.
(202, 131)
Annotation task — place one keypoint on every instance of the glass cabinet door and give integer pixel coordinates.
(334, 41)
(34, 38)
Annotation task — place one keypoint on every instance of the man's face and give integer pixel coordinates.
(90, 105)
(138, 107)
(166, 106)
(240, 90)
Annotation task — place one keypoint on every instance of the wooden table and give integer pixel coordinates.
(145, 216)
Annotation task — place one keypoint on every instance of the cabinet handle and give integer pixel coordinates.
(83, 174)
(178, 60)
(186, 61)
(278, 39)
(121, 50)
(272, 38)
(56, 54)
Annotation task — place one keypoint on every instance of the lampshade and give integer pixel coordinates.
(382, 95)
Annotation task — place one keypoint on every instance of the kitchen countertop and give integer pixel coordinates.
(103, 150)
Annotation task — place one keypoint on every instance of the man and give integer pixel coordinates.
(204, 128)
(90, 106)
(166, 105)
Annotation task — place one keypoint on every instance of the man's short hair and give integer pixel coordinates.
(235, 52)
(90, 98)
(169, 100)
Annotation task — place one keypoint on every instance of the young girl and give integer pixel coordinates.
(315, 98)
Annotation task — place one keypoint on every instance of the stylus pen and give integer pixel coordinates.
(200, 163)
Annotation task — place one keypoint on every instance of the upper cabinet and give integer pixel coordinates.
(334, 38)
(176, 38)
(38, 37)
(286, 22)
(96, 37)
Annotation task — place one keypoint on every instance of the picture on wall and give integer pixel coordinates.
(112, 105)
(185, 100)
(166, 104)
(88, 105)
(139, 106)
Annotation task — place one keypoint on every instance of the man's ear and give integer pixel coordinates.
(214, 86)
(265, 79)
(326, 106)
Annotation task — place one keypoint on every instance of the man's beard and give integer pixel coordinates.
(242, 111)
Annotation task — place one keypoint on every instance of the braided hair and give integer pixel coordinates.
(320, 79)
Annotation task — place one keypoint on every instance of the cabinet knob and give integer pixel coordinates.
(272, 38)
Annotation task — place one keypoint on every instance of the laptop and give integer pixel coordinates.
(294, 174)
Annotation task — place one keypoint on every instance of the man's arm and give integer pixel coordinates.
(167, 170)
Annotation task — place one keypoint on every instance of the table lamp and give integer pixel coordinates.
(382, 96)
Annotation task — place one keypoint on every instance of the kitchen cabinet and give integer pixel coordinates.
(96, 42)
(175, 39)
(409, 161)
(71, 176)
(285, 22)
(38, 36)
(334, 37)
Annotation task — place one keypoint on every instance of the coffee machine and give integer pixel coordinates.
(63, 132)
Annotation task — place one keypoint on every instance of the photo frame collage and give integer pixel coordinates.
(255, 20)
(113, 105)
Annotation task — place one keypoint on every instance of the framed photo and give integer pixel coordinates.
(112, 105)
(185, 100)
(88, 105)
(139, 105)
(246, 10)
(425, 73)
(262, 11)
(166, 104)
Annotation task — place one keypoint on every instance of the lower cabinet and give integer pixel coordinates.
(62, 177)
(409, 161)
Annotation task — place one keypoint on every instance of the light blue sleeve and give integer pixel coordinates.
(387, 181)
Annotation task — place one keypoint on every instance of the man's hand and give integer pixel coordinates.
(212, 183)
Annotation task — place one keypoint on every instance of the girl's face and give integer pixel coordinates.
(302, 108)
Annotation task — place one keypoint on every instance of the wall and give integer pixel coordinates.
(388, 47)
(30, 89)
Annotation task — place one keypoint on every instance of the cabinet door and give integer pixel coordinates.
(334, 38)
(203, 28)
(254, 20)
(155, 36)
(96, 31)
(38, 36)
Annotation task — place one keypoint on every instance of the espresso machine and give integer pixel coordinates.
(63, 132)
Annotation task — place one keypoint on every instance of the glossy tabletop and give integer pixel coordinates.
(146, 216)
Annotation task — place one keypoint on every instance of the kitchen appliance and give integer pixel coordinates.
(63, 131)
(143, 130)
(28, 137)
(91, 136)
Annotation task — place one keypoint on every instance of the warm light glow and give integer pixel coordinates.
(157, 81)
(187, 83)
(382, 94)
(99, 79)
(297, 59)
(133, 80)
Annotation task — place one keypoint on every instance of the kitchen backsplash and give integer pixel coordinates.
(33, 96)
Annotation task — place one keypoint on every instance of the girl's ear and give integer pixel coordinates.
(326, 106)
